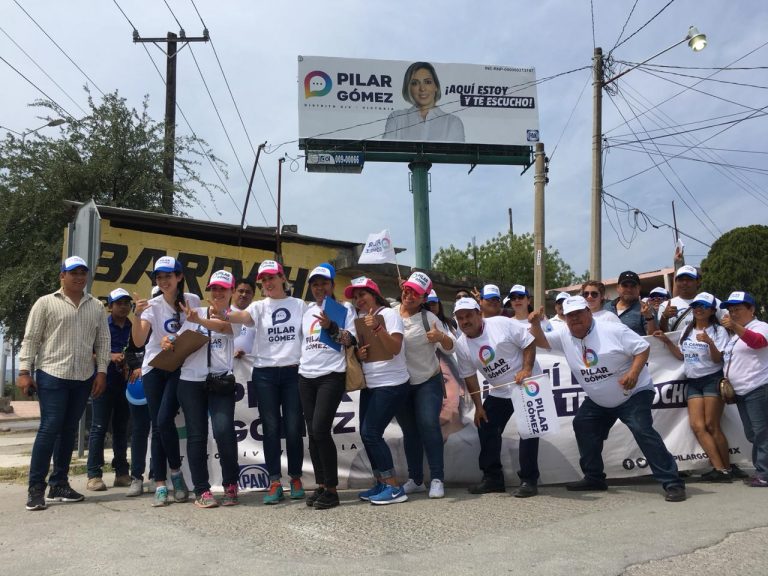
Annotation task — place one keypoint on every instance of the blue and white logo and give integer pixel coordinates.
(532, 135)
(280, 316)
(172, 325)
(253, 477)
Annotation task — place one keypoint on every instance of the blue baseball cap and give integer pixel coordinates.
(117, 294)
(73, 262)
(738, 298)
(705, 299)
(519, 290)
(433, 297)
(167, 264)
(491, 291)
(134, 392)
(323, 270)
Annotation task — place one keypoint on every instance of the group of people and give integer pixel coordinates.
(300, 351)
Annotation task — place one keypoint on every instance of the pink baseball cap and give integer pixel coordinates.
(269, 267)
(361, 282)
(419, 283)
(221, 278)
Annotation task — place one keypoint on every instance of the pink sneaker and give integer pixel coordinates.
(230, 496)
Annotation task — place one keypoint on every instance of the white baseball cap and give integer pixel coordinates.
(73, 262)
(117, 294)
(466, 304)
(269, 267)
(574, 304)
(562, 296)
(419, 283)
(686, 270)
(221, 278)
(491, 291)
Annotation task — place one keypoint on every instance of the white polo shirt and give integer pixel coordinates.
(749, 367)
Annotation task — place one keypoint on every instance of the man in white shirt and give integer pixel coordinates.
(609, 361)
(504, 352)
(675, 314)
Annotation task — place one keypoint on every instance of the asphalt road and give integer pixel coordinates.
(721, 529)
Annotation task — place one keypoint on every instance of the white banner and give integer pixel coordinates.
(535, 413)
(558, 453)
(353, 99)
(378, 249)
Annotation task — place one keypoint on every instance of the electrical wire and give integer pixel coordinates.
(567, 123)
(59, 47)
(623, 28)
(628, 38)
(669, 126)
(592, 13)
(36, 87)
(43, 70)
(707, 78)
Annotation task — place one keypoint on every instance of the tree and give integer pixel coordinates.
(113, 155)
(738, 260)
(505, 260)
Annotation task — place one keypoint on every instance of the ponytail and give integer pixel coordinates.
(180, 302)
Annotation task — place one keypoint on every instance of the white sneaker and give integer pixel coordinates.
(436, 489)
(411, 487)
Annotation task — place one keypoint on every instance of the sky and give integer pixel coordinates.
(258, 44)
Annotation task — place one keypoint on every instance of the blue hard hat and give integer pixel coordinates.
(134, 392)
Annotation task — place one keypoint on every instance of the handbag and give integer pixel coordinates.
(355, 380)
(727, 393)
(221, 384)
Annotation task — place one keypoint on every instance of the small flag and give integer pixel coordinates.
(378, 249)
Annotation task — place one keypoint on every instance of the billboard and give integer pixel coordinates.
(347, 99)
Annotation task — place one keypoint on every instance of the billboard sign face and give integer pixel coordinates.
(386, 100)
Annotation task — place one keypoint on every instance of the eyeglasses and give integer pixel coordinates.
(590, 294)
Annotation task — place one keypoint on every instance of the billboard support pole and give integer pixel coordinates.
(539, 246)
(420, 188)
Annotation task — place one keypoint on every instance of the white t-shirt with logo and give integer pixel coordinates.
(420, 357)
(606, 316)
(749, 367)
(317, 358)
(244, 339)
(603, 356)
(497, 353)
(195, 367)
(277, 325)
(697, 356)
(164, 320)
(388, 372)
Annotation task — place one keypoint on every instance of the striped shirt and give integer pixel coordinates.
(61, 338)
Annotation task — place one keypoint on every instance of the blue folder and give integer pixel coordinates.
(337, 313)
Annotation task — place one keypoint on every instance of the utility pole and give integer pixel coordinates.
(278, 249)
(596, 241)
(248, 194)
(511, 228)
(169, 155)
(539, 255)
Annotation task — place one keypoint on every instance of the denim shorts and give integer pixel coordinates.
(706, 386)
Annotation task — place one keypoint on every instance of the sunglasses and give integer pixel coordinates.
(629, 284)
(590, 294)
(517, 297)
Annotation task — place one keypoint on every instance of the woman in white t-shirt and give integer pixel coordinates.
(746, 359)
(158, 317)
(207, 388)
(322, 381)
(594, 293)
(276, 322)
(386, 385)
(700, 347)
(419, 415)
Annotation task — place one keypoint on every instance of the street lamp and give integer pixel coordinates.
(697, 42)
(51, 123)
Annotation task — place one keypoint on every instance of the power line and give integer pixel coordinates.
(36, 87)
(43, 70)
(567, 123)
(237, 108)
(657, 166)
(592, 13)
(629, 16)
(633, 148)
(619, 144)
(643, 26)
(59, 47)
(707, 78)
(669, 126)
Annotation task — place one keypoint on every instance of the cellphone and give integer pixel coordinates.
(31, 392)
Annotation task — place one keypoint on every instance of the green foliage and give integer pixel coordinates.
(504, 260)
(738, 260)
(113, 155)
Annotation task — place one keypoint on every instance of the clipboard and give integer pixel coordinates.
(376, 350)
(338, 314)
(186, 343)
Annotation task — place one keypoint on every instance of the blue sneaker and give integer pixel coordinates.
(377, 488)
(390, 495)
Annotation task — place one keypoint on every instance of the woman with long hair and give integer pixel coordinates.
(701, 347)
(322, 379)
(594, 293)
(163, 315)
(386, 386)
(419, 414)
(207, 389)
(275, 383)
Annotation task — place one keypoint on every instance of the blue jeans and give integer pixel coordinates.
(499, 411)
(140, 426)
(62, 404)
(197, 405)
(160, 391)
(111, 406)
(276, 388)
(592, 424)
(377, 408)
(753, 409)
(419, 419)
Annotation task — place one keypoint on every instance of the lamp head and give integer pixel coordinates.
(696, 40)
(57, 122)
